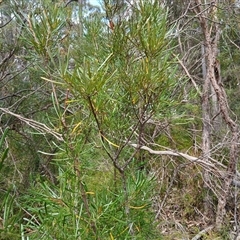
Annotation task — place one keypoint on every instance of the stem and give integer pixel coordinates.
(126, 205)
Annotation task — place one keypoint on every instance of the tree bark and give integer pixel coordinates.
(206, 138)
(211, 33)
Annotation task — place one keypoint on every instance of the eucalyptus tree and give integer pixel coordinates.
(203, 36)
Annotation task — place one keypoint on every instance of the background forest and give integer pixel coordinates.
(119, 121)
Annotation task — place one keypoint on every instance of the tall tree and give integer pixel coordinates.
(205, 49)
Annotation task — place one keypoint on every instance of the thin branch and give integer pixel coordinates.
(8, 57)
(203, 163)
(5, 24)
(40, 127)
(189, 75)
(70, 2)
(201, 233)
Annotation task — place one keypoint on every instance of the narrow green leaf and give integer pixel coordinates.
(3, 137)
(4, 156)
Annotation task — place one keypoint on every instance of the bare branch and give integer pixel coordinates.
(5, 24)
(193, 159)
(189, 75)
(8, 57)
(201, 233)
(40, 127)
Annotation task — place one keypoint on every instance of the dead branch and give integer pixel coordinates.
(201, 233)
(206, 164)
(40, 127)
(189, 75)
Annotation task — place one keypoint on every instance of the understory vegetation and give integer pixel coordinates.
(119, 121)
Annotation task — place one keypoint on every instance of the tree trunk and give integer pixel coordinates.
(206, 141)
(211, 33)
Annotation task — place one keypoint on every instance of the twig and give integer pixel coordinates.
(201, 233)
(189, 75)
(5, 24)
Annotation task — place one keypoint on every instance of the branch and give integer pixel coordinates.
(170, 152)
(5, 24)
(70, 2)
(8, 57)
(204, 163)
(203, 232)
(40, 127)
(189, 75)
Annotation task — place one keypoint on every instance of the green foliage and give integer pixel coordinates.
(9, 218)
(57, 211)
(9, 223)
(116, 80)
(103, 89)
(124, 74)
(5, 151)
(45, 29)
(4, 169)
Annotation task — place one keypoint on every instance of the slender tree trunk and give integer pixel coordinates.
(206, 139)
(80, 15)
(211, 33)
